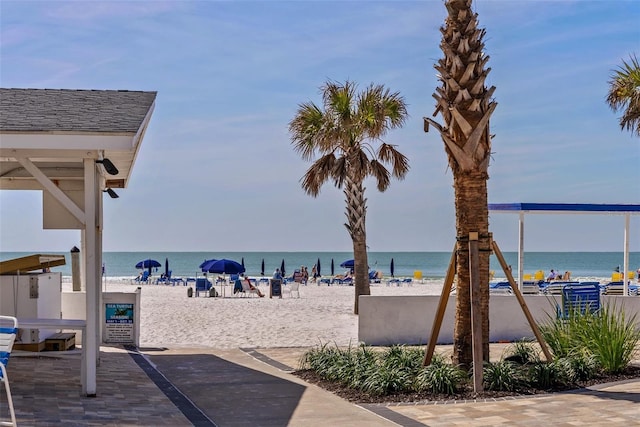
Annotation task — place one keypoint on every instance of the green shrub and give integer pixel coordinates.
(440, 377)
(612, 338)
(550, 375)
(387, 379)
(501, 376)
(522, 352)
(585, 365)
(607, 335)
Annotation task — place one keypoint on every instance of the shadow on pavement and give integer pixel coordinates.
(230, 394)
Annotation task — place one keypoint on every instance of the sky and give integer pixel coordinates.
(217, 170)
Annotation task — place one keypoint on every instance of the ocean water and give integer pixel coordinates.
(432, 264)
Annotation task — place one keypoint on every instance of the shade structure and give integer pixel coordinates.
(242, 262)
(391, 267)
(262, 268)
(348, 264)
(318, 267)
(282, 267)
(223, 266)
(148, 264)
(332, 267)
(166, 267)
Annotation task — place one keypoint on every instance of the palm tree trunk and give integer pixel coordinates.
(356, 215)
(471, 216)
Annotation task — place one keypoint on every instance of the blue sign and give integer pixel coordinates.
(118, 313)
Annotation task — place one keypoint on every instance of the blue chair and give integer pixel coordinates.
(144, 278)
(7, 338)
(373, 277)
(203, 285)
(579, 298)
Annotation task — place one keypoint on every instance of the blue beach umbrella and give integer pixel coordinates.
(332, 269)
(318, 267)
(391, 267)
(348, 264)
(282, 267)
(166, 267)
(205, 264)
(242, 262)
(148, 264)
(224, 266)
(262, 268)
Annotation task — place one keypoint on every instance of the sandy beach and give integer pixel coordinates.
(322, 314)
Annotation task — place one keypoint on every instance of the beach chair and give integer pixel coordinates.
(579, 298)
(500, 288)
(246, 289)
(393, 281)
(144, 278)
(202, 285)
(343, 281)
(374, 277)
(617, 288)
(293, 287)
(529, 287)
(8, 331)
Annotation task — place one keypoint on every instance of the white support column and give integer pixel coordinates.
(99, 196)
(91, 341)
(520, 250)
(625, 270)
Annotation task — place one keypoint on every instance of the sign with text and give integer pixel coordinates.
(119, 323)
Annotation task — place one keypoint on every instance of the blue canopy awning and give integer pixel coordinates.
(568, 208)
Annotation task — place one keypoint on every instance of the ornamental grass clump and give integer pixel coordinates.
(502, 376)
(612, 338)
(607, 335)
(441, 378)
(522, 352)
(550, 375)
(396, 371)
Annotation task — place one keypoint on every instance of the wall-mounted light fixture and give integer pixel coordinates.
(111, 193)
(108, 166)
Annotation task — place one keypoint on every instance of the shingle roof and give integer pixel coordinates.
(65, 110)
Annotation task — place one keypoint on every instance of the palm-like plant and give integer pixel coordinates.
(466, 106)
(624, 94)
(341, 135)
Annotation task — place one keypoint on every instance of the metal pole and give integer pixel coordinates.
(625, 282)
(521, 252)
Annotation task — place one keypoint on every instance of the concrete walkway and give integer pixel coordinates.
(254, 387)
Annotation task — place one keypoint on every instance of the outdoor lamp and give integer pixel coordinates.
(108, 166)
(111, 193)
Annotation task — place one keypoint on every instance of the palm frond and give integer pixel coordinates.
(307, 129)
(624, 94)
(339, 171)
(318, 174)
(381, 174)
(387, 153)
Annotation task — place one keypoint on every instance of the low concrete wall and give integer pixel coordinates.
(386, 320)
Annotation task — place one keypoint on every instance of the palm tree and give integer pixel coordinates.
(342, 135)
(466, 106)
(624, 94)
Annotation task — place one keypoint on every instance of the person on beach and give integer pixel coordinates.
(246, 280)
(305, 275)
(552, 275)
(277, 274)
(314, 273)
